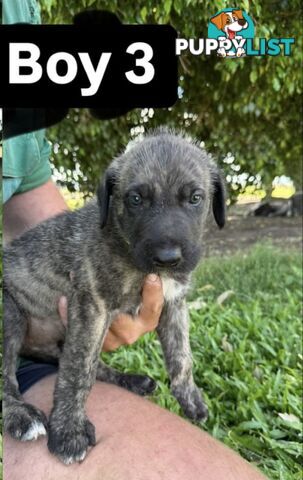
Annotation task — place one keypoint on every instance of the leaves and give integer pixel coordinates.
(226, 346)
(253, 76)
(143, 13)
(197, 304)
(248, 107)
(276, 84)
(167, 6)
(291, 420)
(224, 296)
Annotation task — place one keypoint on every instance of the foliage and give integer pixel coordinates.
(247, 353)
(248, 106)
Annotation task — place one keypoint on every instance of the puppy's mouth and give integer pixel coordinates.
(166, 266)
(231, 33)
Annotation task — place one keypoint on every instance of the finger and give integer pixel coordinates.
(126, 329)
(62, 308)
(152, 302)
(111, 342)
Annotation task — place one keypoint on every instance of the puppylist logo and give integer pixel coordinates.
(231, 34)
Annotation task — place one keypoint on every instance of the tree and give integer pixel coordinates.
(250, 107)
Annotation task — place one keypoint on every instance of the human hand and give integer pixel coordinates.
(126, 329)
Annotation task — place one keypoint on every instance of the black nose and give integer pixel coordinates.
(169, 257)
(241, 22)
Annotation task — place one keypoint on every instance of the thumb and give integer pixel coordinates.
(152, 301)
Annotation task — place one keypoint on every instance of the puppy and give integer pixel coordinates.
(149, 216)
(230, 23)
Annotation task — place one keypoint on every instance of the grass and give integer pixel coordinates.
(247, 354)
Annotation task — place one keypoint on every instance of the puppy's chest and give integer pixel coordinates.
(172, 289)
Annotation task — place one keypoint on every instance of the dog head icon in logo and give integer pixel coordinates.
(230, 26)
(230, 22)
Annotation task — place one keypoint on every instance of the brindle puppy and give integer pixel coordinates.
(148, 217)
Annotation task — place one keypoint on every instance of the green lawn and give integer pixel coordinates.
(247, 354)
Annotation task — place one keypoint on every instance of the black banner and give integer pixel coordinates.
(89, 66)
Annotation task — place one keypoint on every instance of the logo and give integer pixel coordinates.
(231, 34)
(231, 27)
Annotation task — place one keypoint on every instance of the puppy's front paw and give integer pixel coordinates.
(69, 440)
(191, 401)
(240, 52)
(24, 421)
(221, 52)
(139, 384)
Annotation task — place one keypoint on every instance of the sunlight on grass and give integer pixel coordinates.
(252, 195)
(283, 191)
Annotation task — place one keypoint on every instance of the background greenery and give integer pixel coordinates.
(247, 356)
(250, 107)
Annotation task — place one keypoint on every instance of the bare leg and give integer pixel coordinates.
(135, 440)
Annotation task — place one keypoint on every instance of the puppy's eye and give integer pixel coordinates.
(134, 199)
(195, 198)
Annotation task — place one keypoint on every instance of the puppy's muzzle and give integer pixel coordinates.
(167, 256)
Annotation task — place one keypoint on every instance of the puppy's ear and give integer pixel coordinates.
(238, 14)
(218, 205)
(219, 20)
(104, 193)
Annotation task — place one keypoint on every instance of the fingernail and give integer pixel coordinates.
(152, 277)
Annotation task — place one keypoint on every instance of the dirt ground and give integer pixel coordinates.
(242, 231)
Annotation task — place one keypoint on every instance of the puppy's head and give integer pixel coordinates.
(230, 22)
(157, 196)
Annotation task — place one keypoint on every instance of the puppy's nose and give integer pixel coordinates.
(169, 257)
(241, 22)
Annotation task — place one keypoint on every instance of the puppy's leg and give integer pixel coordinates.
(70, 431)
(173, 332)
(140, 384)
(21, 420)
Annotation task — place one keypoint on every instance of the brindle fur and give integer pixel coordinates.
(109, 246)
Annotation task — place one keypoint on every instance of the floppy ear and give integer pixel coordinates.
(239, 14)
(218, 20)
(219, 199)
(104, 192)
